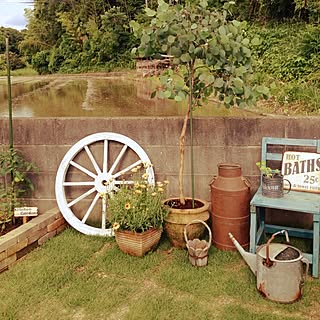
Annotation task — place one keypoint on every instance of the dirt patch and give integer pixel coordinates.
(11, 226)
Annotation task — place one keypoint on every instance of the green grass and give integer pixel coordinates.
(20, 72)
(74, 276)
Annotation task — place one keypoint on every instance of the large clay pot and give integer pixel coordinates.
(177, 219)
(230, 198)
(137, 244)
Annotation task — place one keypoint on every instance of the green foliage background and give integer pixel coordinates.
(94, 35)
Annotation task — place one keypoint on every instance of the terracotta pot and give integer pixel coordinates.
(177, 219)
(138, 244)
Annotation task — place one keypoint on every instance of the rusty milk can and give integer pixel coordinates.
(230, 198)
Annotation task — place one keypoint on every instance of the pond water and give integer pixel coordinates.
(94, 96)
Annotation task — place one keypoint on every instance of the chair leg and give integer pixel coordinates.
(253, 228)
(315, 254)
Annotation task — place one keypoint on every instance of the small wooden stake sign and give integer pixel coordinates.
(25, 212)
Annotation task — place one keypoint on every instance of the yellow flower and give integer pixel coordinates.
(134, 170)
(159, 184)
(142, 186)
(160, 189)
(115, 226)
(153, 194)
(127, 206)
(138, 191)
(145, 176)
(102, 195)
(166, 181)
(147, 164)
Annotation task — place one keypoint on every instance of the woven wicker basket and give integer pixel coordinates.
(138, 244)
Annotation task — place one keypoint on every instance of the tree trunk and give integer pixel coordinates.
(181, 168)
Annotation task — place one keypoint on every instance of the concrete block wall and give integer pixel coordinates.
(216, 139)
(17, 243)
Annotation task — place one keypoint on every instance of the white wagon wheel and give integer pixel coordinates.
(96, 165)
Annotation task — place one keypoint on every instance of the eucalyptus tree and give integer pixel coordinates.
(210, 56)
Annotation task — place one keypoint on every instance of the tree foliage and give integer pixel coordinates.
(95, 34)
(210, 55)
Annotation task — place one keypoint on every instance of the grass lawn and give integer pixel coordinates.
(74, 276)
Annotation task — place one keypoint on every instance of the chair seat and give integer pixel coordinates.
(292, 201)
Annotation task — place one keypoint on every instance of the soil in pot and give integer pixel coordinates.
(176, 204)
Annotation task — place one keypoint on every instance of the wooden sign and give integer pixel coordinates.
(302, 169)
(25, 212)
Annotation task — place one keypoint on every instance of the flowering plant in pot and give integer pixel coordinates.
(137, 212)
(210, 57)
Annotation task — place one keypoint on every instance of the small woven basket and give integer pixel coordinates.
(198, 249)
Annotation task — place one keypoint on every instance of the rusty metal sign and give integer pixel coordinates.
(302, 169)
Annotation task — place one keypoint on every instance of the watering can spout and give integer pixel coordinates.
(249, 258)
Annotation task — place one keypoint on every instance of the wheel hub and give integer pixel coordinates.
(104, 183)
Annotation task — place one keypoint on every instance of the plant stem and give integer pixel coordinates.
(9, 96)
(191, 132)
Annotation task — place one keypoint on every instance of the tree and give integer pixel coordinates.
(210, 55)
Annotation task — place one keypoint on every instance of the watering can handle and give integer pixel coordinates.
(306, 262)
(268, 262)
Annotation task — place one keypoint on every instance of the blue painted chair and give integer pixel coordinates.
(309, 203)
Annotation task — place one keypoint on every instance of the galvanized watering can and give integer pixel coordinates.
(198, 249)
(278, 268)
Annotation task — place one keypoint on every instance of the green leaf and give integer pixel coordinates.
(236, 23)
(228, 99)
(145, 38)
(238, 83)
(185, 57)
(222, 30)
(164, 48)
(150, 13)
(245, 41)
(153, 94)
(171, 39)
(224, 39)
(194, 26)
(255, 41)
(218, 83)
(262, 89)
(167, 94)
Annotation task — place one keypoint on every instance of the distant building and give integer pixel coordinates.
(149, 67)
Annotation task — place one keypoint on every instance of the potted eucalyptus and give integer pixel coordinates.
(271, 181)
(210, 57)
(136, 212)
